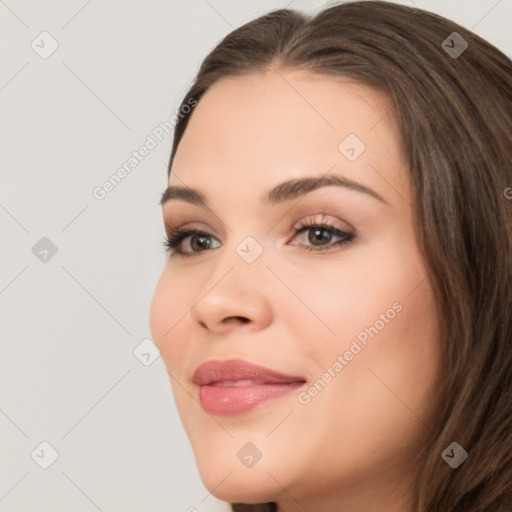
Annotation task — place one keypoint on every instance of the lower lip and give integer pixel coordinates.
(231, 400)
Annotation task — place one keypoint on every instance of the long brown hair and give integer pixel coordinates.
(455, 115)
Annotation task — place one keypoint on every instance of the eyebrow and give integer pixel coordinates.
(285, 191)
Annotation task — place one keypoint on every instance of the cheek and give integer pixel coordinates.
(374, 410)
(394, 322)
(383, 313)
(169, 324)
(372, 291)
(394, 354)
(382, 398)
(167, 320)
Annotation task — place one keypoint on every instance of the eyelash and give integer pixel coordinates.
(175, 237)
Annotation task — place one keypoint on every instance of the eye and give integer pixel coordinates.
(174, 239)
(319, 237)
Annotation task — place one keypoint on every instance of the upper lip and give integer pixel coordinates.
(237, 369)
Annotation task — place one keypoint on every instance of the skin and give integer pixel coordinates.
(349, 447)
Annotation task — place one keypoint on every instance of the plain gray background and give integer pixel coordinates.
(71, 320)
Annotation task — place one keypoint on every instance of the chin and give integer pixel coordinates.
(231, 482)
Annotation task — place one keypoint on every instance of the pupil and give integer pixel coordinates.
(202, 241)
(318, 235)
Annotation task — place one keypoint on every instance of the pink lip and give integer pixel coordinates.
(229, 399)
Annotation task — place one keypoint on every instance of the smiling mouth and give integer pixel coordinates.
(236, 386)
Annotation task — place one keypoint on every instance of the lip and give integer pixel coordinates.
(236, 386)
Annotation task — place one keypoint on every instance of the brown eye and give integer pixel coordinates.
(319, 236)
(203, 242)
(199, 241)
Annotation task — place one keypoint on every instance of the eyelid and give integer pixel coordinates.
(321, 217)
(193, 225)
(177, 235)
(313, 218)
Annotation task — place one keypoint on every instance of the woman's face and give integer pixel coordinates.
(348, 315)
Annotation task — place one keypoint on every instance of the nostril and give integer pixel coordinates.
(242, 319)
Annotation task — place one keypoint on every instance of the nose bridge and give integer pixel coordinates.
(243, 246)
(250, 250)
(242, 263)
(246, 230)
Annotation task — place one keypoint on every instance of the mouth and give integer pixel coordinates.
(238, 383)
(236, 386)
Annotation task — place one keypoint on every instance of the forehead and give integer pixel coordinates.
(253, 130)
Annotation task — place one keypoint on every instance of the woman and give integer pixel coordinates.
(335, 311)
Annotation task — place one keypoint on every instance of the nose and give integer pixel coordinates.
(232, 301)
